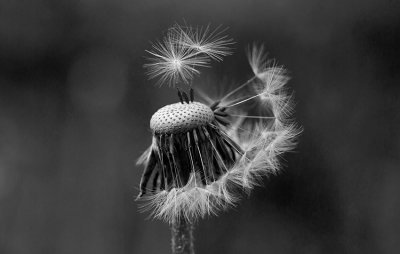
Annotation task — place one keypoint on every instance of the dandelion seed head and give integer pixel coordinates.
(203, 155)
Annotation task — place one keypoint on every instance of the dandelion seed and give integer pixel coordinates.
(178, 57)
(172, 63)
(258, 59)
(271, 78)
(204, 40)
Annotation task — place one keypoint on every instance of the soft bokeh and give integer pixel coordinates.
(75, 108)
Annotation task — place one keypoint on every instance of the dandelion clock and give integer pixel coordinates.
(206, 152)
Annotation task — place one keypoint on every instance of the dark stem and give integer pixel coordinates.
(182, 237)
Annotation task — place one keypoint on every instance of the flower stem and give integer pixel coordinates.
(182, 237)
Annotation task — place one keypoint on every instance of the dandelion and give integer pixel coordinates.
(203, 154)
(183, 50)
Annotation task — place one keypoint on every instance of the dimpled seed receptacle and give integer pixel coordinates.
(181, 117)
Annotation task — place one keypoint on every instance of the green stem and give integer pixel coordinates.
(182, 237)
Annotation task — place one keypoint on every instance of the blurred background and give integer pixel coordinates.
(75, 106)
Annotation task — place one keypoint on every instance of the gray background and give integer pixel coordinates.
(75, 107)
